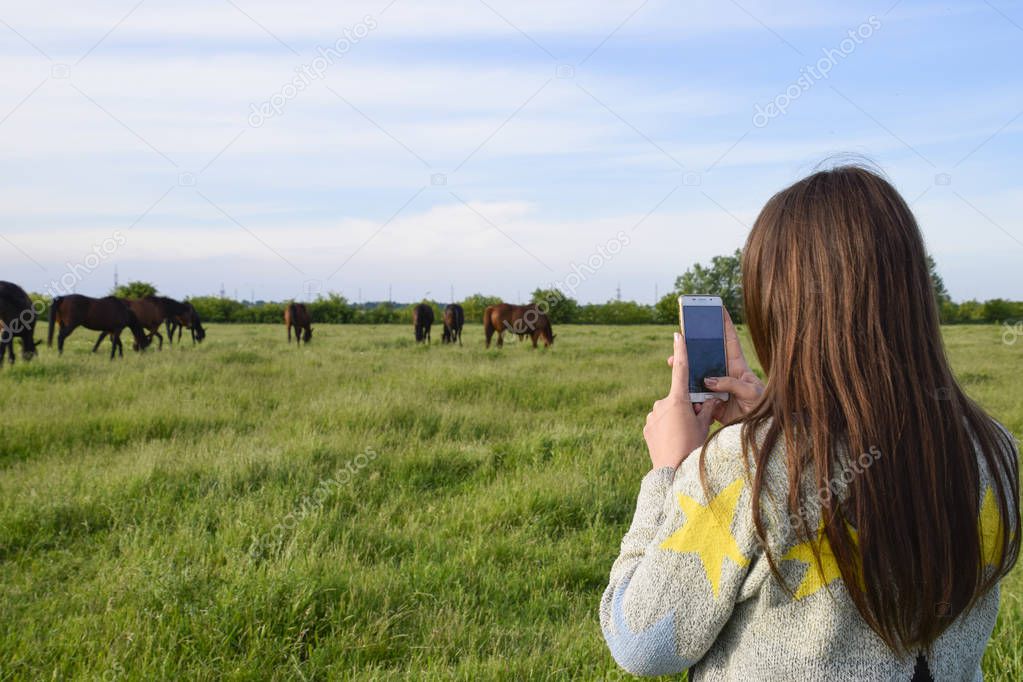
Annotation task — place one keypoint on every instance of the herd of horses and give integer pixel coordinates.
(110, 316)
(144, 317)
(453, 319)
(521, 320)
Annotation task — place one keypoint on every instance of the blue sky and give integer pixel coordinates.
(488, 146)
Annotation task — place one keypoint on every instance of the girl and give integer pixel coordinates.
(855, 514)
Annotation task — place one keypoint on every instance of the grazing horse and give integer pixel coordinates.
(422, 320)
(454, 319)
(108, 315)
(518, 319)
(151, 313)
(17, 320)
(297, 315)
(179, 316)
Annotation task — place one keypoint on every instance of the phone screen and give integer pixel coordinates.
(705, 343)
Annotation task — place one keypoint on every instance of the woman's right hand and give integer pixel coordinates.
(744, 387)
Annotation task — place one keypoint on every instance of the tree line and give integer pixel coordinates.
(722, 277)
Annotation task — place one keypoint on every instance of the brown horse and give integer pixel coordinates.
(150, 313)
(17, 320)
(454, 320)
(108, 315)
(422, 320)
(296, 315)
(518, 319)
(178, 317)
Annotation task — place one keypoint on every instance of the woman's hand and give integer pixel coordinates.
(673, 428)
(741, 383)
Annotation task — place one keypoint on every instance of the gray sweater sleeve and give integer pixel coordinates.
(681, 566)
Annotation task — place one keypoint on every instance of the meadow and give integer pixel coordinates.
(361, 508)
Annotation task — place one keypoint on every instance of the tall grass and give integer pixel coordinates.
(361, 508)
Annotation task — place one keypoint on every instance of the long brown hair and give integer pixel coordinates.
(842, 314)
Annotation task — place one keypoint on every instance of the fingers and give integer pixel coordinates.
(680, 370)
(743, 390)
(733, 349)
(706, 415)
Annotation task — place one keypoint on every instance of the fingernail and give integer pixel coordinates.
(710, 381)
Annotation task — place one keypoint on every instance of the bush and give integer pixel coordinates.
(134, 290)
(335, 309)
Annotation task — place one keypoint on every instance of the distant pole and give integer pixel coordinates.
(115, 277)
(223, 294)
(618, 292)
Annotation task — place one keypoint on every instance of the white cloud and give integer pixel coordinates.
(443, 79)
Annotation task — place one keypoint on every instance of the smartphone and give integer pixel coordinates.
(702, 319)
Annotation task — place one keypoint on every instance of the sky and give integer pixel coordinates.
(422, 148)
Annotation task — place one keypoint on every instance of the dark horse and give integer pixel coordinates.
(17, 320)
(454, 319)
(518, 319)
(296, 315)
(151, 314)
(179, 316)
(108, 315)
(422, 320)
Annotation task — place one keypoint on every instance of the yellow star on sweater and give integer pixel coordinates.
(990, 530)
(707, 533)
(814, 579)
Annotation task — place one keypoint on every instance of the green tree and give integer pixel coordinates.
(333, 308)
(940, 292)
(615, 312)
(948, 312)
(946, 309)
(475, 305)
(216, 309)
(723, 277)
(666, 309)
(998, 310)
(560, 308)
(134, 290)
(381, 313)
(971, 311)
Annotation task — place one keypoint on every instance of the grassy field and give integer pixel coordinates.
(358, 509)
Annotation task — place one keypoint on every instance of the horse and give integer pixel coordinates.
(520, 320)
(422, 320)
(151, 313)
(17, 320)
(454, 319)
(180, 315)
(297, 315)
(108, 315)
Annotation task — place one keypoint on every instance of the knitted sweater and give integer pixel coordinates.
(692, 588)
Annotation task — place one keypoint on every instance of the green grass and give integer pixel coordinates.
(361, 508)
